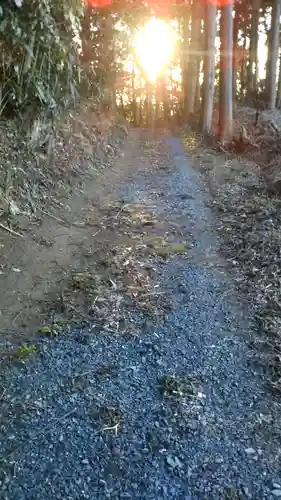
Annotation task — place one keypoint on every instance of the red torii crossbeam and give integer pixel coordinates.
(157, 6)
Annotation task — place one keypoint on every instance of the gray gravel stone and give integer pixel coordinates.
(119, 437)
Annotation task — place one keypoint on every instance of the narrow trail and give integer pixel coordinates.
(178, 411)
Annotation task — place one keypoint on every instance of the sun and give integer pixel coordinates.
(154, 44)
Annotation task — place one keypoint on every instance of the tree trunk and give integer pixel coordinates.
(157, 100)
(166, 104)
(146, 103)
(171, 96)
(184, 62)
(235, 52)
(193, 66)
(273, 53)
(140, 113)
(134, 102)
(267, 64)
(243, 68)
(278, 101)
(253, 66)
(226, 70)
(209, 67)
(198, 90)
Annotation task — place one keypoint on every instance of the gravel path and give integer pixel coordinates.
(179, 412)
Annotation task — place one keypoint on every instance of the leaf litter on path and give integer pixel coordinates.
(122, 278)
(249, 226)
(172, 421)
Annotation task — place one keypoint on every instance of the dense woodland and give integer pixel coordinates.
(55, 53)
(70, 72)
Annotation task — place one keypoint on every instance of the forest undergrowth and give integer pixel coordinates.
(47, 174)
(246, 195)
(50, 165)
(51, 159)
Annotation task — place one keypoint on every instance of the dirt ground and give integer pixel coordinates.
(62, 244)
(48, 249)
(158, 396)
(248, 222)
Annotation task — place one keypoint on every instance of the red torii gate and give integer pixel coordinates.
(158, 6)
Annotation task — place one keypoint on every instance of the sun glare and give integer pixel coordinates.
(154, 46)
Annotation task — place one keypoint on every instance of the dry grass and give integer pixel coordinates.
(250, 227)
(182, 402)
(42, 158)
(120, 280)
